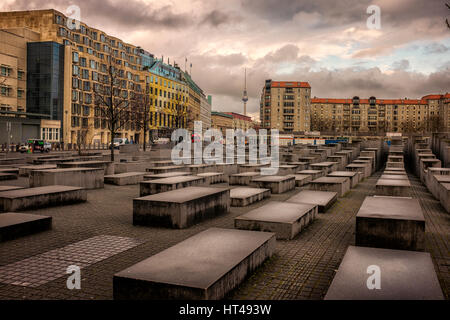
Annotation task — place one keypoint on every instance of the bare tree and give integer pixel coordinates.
(185, 118)
(82, 138)
(112, 98)
(433, 123)
(446, 20)
(142, 103)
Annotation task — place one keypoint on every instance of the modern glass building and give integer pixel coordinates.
(45, 79)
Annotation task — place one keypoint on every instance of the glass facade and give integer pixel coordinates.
(45, 79)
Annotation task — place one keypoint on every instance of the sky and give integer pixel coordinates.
(326, 43)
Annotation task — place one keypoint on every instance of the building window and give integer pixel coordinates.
(75, 70)
(85, 73)
(86, 111)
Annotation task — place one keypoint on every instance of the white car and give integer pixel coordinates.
(118, 142)
(23, 148)
(162, 141)
(47, 147)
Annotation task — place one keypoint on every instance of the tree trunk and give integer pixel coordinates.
(112, 146)
(145, 139)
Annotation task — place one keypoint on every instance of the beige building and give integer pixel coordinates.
(84, 56)
(221, 121)
(13, 70)
(240, 121)
(205, 113)
(198, 105)
(285, 106)
(374, 115)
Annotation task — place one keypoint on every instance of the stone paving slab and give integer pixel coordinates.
(41, 269)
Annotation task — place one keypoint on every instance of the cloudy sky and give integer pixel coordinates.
(326, 43)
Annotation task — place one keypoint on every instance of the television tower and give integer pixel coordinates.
(245, 96)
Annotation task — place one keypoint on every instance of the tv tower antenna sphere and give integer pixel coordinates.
(245, 96)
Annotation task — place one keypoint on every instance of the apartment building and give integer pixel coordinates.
(240, 121)
(76, 60)
(221, 121)
(379, 115)
(169, 94)
(16, 120)
(285, 106)
(13, 69)
(199, 105)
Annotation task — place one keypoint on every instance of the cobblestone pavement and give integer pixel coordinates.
(302, 268)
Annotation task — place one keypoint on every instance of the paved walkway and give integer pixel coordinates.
(302, 268)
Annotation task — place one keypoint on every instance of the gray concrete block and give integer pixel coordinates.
(284, 218)
(405, 275)
(205, 266)
(88, 178)
(181, 208)
(243, 179)
(323, 199)
(14, 225)
(393, 188)
(341, 185)
(242, 196)
(40, 197)
(168, 184)
(353, 176)
(125, 178)
(276, 184)
(390, 222)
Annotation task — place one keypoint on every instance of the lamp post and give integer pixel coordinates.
(8, 132)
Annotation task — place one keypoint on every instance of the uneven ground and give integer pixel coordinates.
(302, 268)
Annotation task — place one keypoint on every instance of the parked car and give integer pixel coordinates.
(118, 142)
(47, 147)
(38, 145)
(162, 141)
(23, 148)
